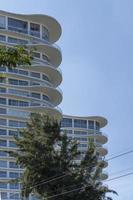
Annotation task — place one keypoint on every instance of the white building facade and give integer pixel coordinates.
(27, 88)
(34, 88)
(84, 130)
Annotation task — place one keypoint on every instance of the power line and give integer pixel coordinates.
(120, 155)
(118, 177)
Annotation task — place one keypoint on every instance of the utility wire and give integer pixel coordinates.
(120, 155)
(118, 177)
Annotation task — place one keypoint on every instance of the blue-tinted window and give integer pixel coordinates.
(3, 111)
(82, 145)
(4, 196)
(78, 123)
(13, 133)
(3, 131)
(3, 143)
(17, 41)
(2, 22)
(3, 185)
(3, 122)
(2, 153)
(14, 186)
(13, 175)
(23, 72)
(44, 77)
(45, 33)
(91, 124)
(12, 165)
(3, 163)
(66, 122)
(3, 174)
(82, 133)
(81, 139)
(35, 95)
(45, 97)
(35, 74)
(2, 101)
(12, 144)
(35, 29)
(17, 25)
(2, 69)
(97, 126)
(2, 38)
(14, 196)
(2, 90)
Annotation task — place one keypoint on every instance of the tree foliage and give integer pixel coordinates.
(14, 56)
(47, 155)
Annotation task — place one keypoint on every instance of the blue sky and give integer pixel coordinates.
(97, 66)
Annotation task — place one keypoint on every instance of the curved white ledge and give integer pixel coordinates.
(102, 121)
(50, 23)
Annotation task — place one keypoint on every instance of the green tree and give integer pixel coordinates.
(12, 57)
(46, 154)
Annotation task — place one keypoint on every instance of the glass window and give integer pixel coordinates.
(13, 133)
(3, 111)
(13, 70)
(4, 195)
(2, 131)
(44, 77)
(3, 143)
(2, 38)
(2, 69)
(35, 74)
(66, 122)
(14, 196)
(35, 95)
(68, 131)
(12, 144)
(81, 139)
(3, 163)
(2, 22)
(82, 145)
(3, 185)
(45, 97)
(2, 153)
(12, 165)
(13, 175)
(12, 102)
(78, 123)
(2, 90)
(13, 81)
(2, 101)
(91, 124)
(22, 124)
(17, 41)
(36, 54)
(35, 29)
(3, 174)
(46, 58)
(13, 123)
(45, 33)
(17, 25)
(14, 186)
(23, 72)
(2, 80)
(3, 122)
(24, 83)
(80, 133)
(97, 126)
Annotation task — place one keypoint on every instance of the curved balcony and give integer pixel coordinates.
(104, 175)
(50, 50)
(55, 75)
(102, 151)
(52, 25)
(101, 138)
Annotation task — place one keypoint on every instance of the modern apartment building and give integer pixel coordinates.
(35, 89)
(84, 129)
(28, 88)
